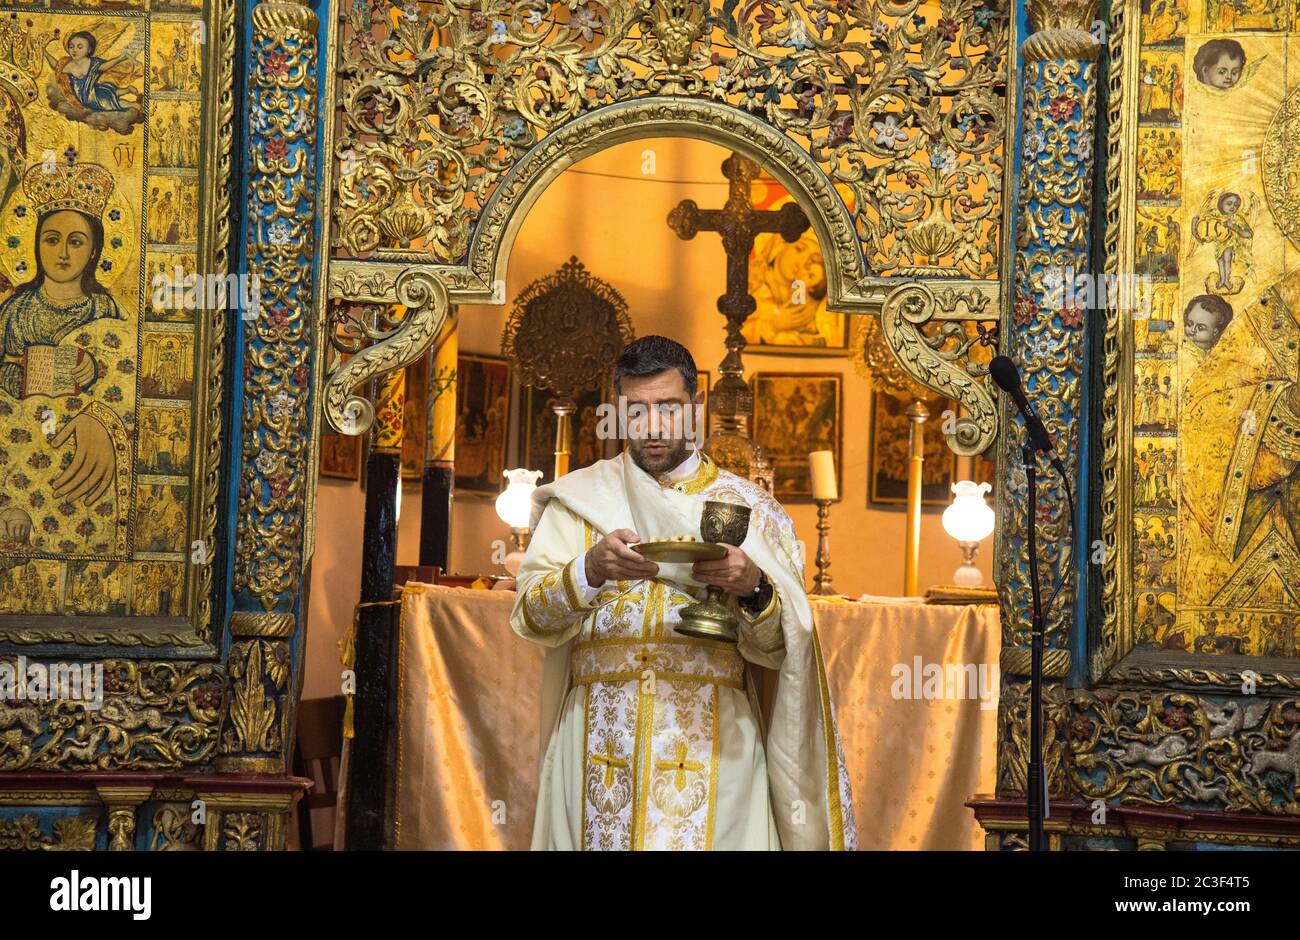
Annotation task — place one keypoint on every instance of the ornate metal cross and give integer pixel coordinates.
(737, 222)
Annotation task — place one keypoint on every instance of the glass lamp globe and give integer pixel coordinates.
(969, 520)
(514, 506)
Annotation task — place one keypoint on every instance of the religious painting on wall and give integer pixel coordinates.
(788, 282)
(983, 470)
(415, 421)
(341, 456)
(889, 450)
(537, 427)
(483, 407)
(109, 384)
(1209, 394)
(796, 413)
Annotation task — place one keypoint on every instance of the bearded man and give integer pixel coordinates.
(652, 739)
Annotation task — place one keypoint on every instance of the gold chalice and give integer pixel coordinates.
(721, 524)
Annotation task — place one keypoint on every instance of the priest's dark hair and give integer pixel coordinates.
(650, 355)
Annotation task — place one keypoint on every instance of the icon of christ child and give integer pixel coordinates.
(1222, 222)
(63, 296)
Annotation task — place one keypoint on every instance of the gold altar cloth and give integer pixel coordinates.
(916, 748)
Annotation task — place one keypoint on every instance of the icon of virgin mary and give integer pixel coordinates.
(63, 296)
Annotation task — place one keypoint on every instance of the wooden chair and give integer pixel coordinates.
(316, 755)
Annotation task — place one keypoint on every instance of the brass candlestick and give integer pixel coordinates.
(916, 415)
(713, 619)
(822, 584)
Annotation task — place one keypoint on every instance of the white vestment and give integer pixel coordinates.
(651, 739)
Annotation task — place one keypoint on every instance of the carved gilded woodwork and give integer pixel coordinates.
(278, 342)
(67, 834)
(1158, 747)
(123, 801)
(174, 830)
(121, 828)
(454, 116)
(944, 358)
(586, 311)
(1045, 336)
(278, 434)
(1162, 747)
(378, 338)
(440, 100)
(255, 723)
(151, 813)
(155, 715)
(244, 822)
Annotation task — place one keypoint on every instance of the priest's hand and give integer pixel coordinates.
(610, 559)
(736, 573)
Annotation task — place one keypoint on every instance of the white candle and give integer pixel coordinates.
(821, 464)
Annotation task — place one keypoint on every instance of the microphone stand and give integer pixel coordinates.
(1036, 786)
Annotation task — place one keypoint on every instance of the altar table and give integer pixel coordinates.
(917, 748)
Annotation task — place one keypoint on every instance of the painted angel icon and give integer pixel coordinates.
(87, 87)
(1226, 221)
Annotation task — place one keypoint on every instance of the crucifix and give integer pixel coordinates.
(738, 222)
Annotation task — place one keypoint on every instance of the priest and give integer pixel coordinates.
(652, 739)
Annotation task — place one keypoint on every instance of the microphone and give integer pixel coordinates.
(1005, 374)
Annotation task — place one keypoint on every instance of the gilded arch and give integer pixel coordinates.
(428, 290)
(701, 119)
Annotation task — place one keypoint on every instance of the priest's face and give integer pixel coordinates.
(657, 424)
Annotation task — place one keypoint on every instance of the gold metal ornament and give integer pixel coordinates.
(564, 333)
(714, 619)
(929, 357)
(738, 223)
(680, 550)
(382, 341)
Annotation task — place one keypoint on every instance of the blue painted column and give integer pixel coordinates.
(272, 423)
(1045, 336)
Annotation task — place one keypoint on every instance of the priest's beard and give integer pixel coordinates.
(674, 452)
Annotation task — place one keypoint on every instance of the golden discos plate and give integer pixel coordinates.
(680, 550)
